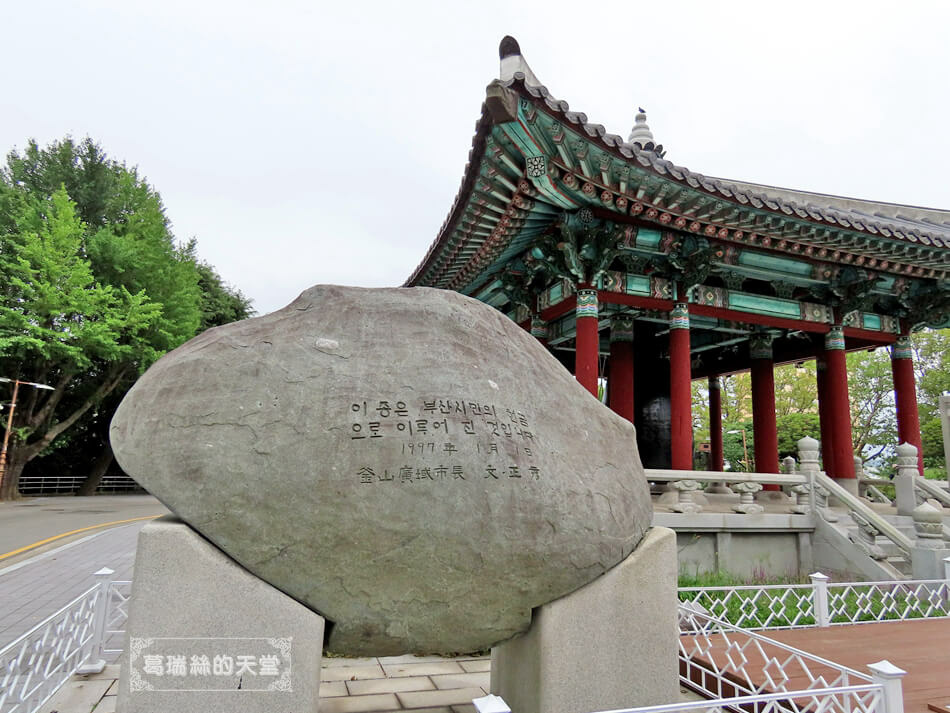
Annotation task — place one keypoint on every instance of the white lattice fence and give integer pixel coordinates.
(821, 603)
(854, 603)
(74, 639)
(720, 661)
(116, 616)
(39, 662)
(756, 607)
(850, 699)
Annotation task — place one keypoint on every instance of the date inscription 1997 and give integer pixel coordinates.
(431, 434)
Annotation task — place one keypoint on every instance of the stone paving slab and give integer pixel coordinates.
(359, 704)
(423, 669)
(477, 666)
(420, 699)
(390, 685)
(461, 680)
(352, 673)
(364, 685)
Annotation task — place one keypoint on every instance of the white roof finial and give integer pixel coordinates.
(641, 134)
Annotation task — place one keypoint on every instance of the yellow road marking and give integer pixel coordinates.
(73, 532)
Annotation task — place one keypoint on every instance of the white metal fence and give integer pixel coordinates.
(845, 699)
(720, 660)
(822, 603)
(67, 484)
(72, 640)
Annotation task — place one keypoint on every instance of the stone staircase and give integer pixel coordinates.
(894, 557)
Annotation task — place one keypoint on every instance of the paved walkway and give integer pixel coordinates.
(424, 684)
(36, 587)
(421, 684)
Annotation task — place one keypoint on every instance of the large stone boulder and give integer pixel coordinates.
(406, 462)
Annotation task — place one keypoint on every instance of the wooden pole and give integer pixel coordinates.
(824, 416)
(763, 406)
(905, 396)
(681, 399)
(6, 434)
(620, 377)
(839, 405)
(587, 341)
(715, 425)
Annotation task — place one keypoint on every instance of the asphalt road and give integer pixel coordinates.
(31, 526)
(50, 548)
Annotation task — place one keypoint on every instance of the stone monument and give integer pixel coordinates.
(406, 463)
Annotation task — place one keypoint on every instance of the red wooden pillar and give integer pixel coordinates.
(715, 425)
(587, 340)
(839, 405)
(905, 396)
(539, 330)
(824, 416)
(764, 431)
(620, 381)
(681, 401)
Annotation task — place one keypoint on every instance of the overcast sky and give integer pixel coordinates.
(306, 143)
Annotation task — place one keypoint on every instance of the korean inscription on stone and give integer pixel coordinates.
(432, 434)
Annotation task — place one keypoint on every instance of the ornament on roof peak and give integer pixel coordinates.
(642, 136)
(509, 51)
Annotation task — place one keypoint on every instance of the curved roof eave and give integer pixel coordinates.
(921, 227)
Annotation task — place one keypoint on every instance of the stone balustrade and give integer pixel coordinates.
(688, 484)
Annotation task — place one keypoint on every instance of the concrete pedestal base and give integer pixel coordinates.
(206, 636)
(610, 644)
(928, 563)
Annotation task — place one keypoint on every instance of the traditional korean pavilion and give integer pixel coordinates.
(611, 254)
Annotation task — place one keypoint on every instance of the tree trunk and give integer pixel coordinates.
(11, 477)
(99, 468)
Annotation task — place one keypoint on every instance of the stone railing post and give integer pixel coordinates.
(946, 570)
(808, 455)
(889, 676)
(819, 583)
(904, 480)
(928, 527)
(747, 503)
(94, 662)
(803, 497)
(788, 465)
(808, 449)
(685, 502)
(930, 549)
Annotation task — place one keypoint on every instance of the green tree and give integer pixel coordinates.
(791, 428)
(735, 456)
(220, 302)
(93, 287)
(932, 364)
(796, 390)
(85, 450)
(931, 433)
(871, 395)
